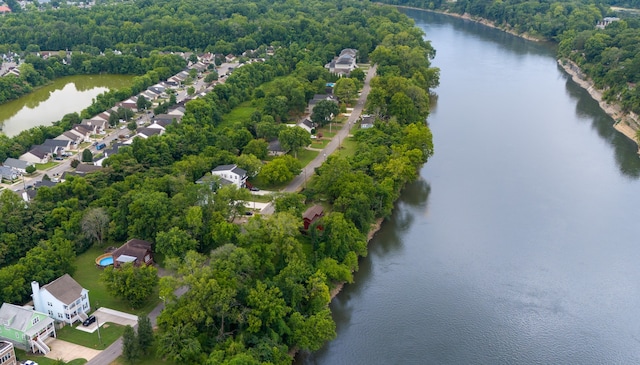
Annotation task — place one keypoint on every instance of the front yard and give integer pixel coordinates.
(109, 333)
(21, 355)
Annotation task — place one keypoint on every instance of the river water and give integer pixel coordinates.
(50, 103)
(518, 244)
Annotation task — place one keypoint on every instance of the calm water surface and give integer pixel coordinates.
(51, 102)
(517, 245)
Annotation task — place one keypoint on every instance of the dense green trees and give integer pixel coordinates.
(259, 290)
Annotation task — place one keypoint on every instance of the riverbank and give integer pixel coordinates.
(624, 123)
(627, 124)
(482, 21)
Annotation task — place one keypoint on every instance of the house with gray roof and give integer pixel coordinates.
(232, 174)
(344, 63)
(74, 138)
(62, 299)
(26, 328)
(9, 174)
(146, 132)
(18, 165)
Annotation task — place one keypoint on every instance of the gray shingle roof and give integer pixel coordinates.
(65, 289)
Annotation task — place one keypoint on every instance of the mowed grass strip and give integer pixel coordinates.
(109, 333)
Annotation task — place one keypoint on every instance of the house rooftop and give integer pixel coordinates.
(133, 248)
(233, 168)
(313, 211)
(65, 289)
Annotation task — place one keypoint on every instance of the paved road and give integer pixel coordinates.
(108, 355)
(308, 171)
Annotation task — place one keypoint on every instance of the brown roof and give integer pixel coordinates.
(134, 247)
(312, 212)
(65, 289)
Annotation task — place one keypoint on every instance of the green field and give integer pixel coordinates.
(41, 360)
(306, 156)
(241, 113)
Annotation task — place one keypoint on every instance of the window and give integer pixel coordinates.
(35, 320)
(84, 296)
(65, 307)
(67, 315)
(50, 312)
(59, 315)
(50, 304)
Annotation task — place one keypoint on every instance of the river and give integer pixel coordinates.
(50, 103)
(517, 244)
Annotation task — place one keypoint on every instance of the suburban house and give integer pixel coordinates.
(84, 168)
(130, 104)
(311, 215)
(344, 63)
(104, 116)
(275, 149)
(149, 95)
(178, 111)
(37, 154)
(367, 121)
(57, 146)
(7, 173)
(19, 166)
(606, 21)
(146, 132)
(138, 252)
(62, 299)
(97, 125)
(26, 328)
(158, 89)
(7, 354)
(83, 131)
(74, 138)
(307, 124)
(4, 9)
(232, 174)
(166, 118)
(318, 98)
(201, 67)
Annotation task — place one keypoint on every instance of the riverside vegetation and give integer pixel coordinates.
(610, 57)
(259, 291)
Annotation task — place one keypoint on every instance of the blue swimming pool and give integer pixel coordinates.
(106, 261)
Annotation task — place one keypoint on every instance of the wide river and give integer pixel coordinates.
(518, 244)
(51, 102)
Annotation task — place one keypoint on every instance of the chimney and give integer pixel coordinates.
(35, 288)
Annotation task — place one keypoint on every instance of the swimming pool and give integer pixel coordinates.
(104, 260)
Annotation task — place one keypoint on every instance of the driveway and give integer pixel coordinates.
(104, 315)
(68, 351)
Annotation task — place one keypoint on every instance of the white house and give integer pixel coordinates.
(38, 154)
(62, 299)
(344, 63)
(232, 174)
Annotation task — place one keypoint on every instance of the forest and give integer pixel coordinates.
(260, 291)
(609, 56)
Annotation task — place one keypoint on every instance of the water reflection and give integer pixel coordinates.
(587, 109)
(50, 103)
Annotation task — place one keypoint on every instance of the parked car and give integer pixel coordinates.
(29, 362)
(87, 322)
(253, 188)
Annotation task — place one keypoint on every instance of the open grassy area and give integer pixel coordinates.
(88, 275)
(41, 360)
(46, 166)
(305, 156)
(347, 148)
(320, 143)
(109, 333)
(260, 198)
(240, 113)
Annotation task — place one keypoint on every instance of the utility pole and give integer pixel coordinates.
(99, 337)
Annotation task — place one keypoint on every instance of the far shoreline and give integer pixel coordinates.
(625, 123)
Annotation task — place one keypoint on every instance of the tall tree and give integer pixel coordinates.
(294, 138)
(131, 283)
(130, 346)
(95, 224)
(145, 334)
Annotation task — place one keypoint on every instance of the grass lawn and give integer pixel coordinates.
(348, 148)
(239, 114)
(322, 143)
(46, 166)
(88, 275)
(305, 156)
(325, 132)
(109, 332)
(41, 360)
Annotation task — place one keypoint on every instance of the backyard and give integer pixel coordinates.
(109, 333)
